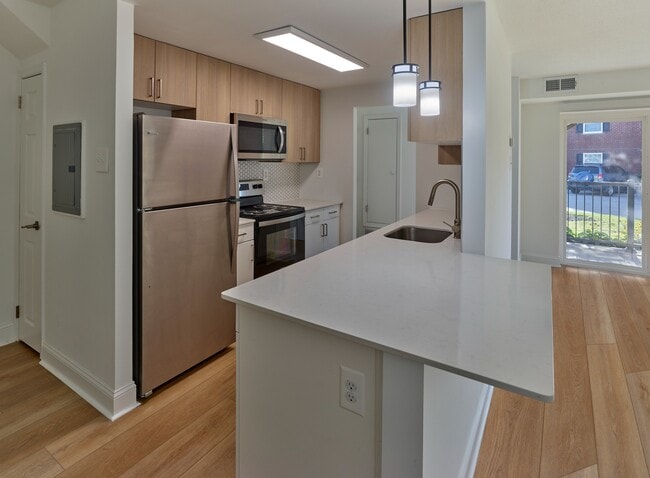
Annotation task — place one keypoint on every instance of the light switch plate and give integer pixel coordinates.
(319, 172)
(101, 159)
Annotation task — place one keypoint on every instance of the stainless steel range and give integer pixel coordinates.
(279, 229)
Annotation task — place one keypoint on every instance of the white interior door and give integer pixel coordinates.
(30, 212)
(381, 169)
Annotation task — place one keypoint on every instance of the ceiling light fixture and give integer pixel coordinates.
(430, 90)
(405, 75)
(303, 44)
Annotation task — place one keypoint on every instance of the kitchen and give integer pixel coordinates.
(85, 259)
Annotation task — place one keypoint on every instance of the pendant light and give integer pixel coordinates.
(405, 75)
(430, 90)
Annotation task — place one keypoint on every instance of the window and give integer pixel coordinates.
(592, 158)
(592, 128)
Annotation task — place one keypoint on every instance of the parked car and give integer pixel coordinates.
(595, 173)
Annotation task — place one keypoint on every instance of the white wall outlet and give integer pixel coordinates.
(319, 172)
(353, 390)
(101, 159)
(265, 174)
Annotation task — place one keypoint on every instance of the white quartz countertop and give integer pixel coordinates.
(310, 204)
(483, 318)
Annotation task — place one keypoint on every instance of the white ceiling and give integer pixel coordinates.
(547, 37)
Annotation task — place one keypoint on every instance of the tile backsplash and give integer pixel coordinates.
(283, 181)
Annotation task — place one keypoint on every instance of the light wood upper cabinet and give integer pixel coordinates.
(164, 73)
(212, 89)
(144, 68)
(447, 67)
(301, 110)
(255, 93)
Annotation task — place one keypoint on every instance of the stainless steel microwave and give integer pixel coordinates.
(262, 139)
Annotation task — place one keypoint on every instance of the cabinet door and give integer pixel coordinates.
(255, 93)
(144, 65)
(447, 67)
(244, 92)
(212, 89)
(245, 261)
(271, 96)
(292, 113)
(313, 239)
(311, 126)
(175, 76)
(331, 238)
(301, 110)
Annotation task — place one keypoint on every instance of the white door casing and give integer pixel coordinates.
(381, 171)
(30, 238)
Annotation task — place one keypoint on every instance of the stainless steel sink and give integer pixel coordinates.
(419, 234)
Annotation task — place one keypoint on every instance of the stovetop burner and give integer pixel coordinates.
(252, 205)
(269, 211)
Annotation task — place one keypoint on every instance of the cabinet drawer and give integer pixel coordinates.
(331, 212)
(245, 233)
(314, 216)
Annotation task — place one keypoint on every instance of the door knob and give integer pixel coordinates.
(36, 226)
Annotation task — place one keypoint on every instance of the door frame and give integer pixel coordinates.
(597, 116)
(406, 163)
(34, 70)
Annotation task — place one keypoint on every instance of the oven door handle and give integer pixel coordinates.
(281, 220)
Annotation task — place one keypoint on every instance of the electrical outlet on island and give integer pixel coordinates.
(353, 390)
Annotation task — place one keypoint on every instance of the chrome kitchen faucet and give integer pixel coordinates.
(456, 227)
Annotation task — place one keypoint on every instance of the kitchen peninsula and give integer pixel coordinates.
(425, 330)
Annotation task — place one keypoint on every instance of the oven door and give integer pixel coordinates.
(279, 243)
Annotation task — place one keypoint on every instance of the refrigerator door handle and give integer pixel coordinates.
(233, 207)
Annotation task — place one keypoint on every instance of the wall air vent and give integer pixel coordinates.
(561, 84)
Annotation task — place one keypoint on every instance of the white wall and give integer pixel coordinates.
(9, 119)
(337, 154)
(541, 159)
(498, 171)
(337, 148)
(87, 270)
(474, 128)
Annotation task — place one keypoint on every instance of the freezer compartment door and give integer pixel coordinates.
(186, 264)
(185, 161)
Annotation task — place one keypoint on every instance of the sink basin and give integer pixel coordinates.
(419, 234)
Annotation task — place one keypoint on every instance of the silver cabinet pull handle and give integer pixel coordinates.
(261, 107)
(150, 91)
(35, 226)
(242, 234)
(159, 92)
(257, 107)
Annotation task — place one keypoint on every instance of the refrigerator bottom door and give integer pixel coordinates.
(186, 264)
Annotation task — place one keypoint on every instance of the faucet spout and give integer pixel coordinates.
(456, 227)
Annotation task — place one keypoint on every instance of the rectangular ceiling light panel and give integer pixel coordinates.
(301, 43)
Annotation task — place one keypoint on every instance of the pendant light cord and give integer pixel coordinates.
(404, 27)
(429, 40)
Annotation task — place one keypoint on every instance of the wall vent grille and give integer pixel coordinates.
(561, 84)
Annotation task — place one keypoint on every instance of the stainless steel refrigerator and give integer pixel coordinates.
(185, 247)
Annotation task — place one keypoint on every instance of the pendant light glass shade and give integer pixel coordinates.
(405, 84)
(430, 98)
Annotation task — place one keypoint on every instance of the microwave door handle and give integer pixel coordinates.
(281, 131)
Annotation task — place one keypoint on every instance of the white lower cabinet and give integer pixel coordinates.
(321, 230)
(245, 254)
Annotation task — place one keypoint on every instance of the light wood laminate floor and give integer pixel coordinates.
(598, 425)
(186, 428)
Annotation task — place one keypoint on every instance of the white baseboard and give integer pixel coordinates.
(551, 261)
(110, 403)
(478, 427)
(8, 333)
